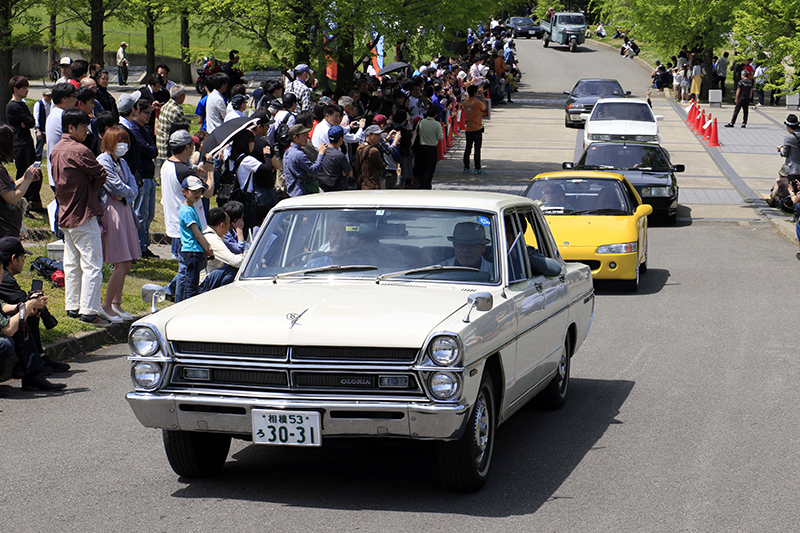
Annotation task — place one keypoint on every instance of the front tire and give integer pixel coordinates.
(546, 40)
(196, 455)
(573, 45)
(643, 266)
(464, 464)
(632, 285)
(200, 87)
(555, 395)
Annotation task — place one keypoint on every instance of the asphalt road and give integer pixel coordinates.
(682, 416)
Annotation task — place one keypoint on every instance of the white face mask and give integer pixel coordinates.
(122, 149)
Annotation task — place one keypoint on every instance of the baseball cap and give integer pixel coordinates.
(302, 67)
(325, 100)
(181, 138)
(12, 246)
(298, 129)
(238, 100)
(379, 120)
(373, 129)
(66, 60)
(47, 92)
(192, 183)
(335, 133)
(127, 100)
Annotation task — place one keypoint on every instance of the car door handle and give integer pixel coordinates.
(539, 287)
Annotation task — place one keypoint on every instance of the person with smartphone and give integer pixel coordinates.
(12, 208)
(20, 314)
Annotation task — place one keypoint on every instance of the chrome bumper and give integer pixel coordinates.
(416, 420)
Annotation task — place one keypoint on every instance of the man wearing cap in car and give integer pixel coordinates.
(469, 243)
(299, 171)
(299, 87)
(122, 64)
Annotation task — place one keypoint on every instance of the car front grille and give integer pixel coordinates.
(256, 352)
(336, 353)
(227, 349)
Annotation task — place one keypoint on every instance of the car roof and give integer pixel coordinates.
(624, 143)
(402, 198)
(591, 174)
(625, 101)
(596, 79)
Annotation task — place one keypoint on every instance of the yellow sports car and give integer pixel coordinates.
(597, 218)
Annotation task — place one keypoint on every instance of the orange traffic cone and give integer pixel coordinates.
(707, 128)
(701, 120)
(690, 118)
(448, 136)
(714, 135)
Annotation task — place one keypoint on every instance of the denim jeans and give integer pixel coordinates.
(189, 266)
(145, 207)
(221, 276)
(6, 350)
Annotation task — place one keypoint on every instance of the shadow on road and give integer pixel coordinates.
(650, 283)
(535, 452)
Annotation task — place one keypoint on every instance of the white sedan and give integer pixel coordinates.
(614, 119)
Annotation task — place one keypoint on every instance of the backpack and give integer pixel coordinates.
(228, 183)
(282, 137)
(50, 269)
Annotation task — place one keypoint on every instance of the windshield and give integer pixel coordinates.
(597, 88)
(580, 196)
(625, 156)
(571, 19)
(622, 111)
(522, 21)
(376, 243)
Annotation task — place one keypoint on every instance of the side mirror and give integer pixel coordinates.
(643, 210)
(564, 92)
(568, 165)
(659, 117)
(627, 93)
(678, 168)
(481, 300)
(153, 294)
(585, 116)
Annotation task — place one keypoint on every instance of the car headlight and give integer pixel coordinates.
(146, 374)
(657, 191)
(646, 138)
(576, 106)
(600, 137)
(622, 248)
(443, 385)
(444, 351)
(143, 342)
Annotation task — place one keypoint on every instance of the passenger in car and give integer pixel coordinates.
(540, 264)
(469, 243)
(358, 244)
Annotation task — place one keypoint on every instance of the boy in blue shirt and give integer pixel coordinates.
(194, 247)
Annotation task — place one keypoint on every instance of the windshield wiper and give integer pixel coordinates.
(603, 211)
(640, 168)
(594, 167)
(556, 208)
(326, 268)
(430, 268)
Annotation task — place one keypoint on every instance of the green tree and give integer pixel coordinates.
(94, 13)
(668, 24)
(13, 12)
(768, 32)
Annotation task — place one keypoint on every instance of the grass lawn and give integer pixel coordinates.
(167, 35)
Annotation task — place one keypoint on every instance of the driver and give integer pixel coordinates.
(357, 244)
(553, 195)
(469, 243)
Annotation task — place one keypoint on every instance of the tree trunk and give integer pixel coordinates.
(346, 68)
(186, 67)
(51, 43)
(98, 38)
(6, 56)
(708, 66)
(150, 41)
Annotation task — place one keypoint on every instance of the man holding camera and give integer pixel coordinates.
(19, 322)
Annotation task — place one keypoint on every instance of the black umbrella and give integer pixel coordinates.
(392, 67)
(224, 133)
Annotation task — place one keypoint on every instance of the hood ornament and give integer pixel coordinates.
(294, 317)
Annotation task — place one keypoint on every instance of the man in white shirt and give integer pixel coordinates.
(237, 107)
(223, 268)
(215, 105)
(289, 107)
(66, 69)
(122, 64)
(63, 98)
(163, 71)
(333, 117)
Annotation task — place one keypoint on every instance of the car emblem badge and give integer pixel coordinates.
(294, 317)
(566, 243)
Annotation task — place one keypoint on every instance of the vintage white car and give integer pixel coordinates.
(388, 314)
(617, 119)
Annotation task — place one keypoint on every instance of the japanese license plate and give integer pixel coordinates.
(286, 428)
